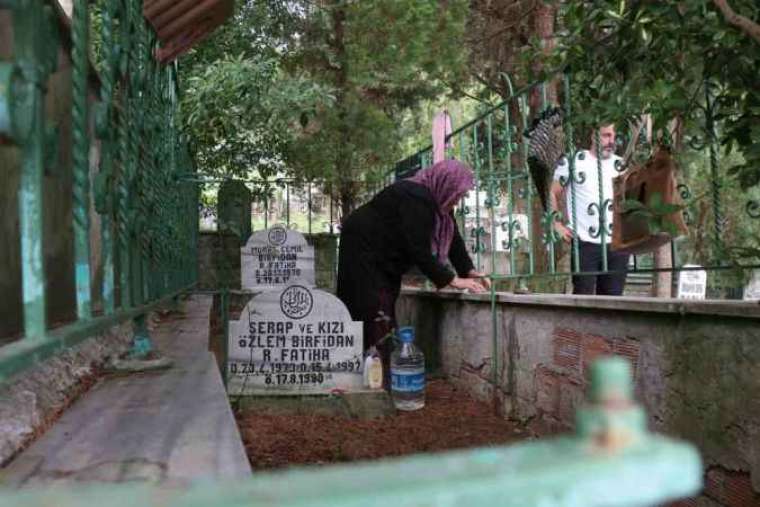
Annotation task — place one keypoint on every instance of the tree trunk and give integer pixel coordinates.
(662, 282)
(662, 286)
(342, 163)
(544, 29)
(347, 200)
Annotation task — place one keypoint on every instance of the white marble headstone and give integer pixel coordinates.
(752, 289)
(296, 340)
(692, 283)
(274, 258)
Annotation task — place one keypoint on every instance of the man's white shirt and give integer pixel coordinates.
(587, 192)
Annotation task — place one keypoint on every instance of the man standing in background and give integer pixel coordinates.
(586, 186)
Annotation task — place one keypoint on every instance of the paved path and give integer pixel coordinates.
(174, 425)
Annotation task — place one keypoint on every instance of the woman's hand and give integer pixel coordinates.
(468, 284)
(482, 278)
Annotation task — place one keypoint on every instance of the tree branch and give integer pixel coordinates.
(745, 24)
(458, 89)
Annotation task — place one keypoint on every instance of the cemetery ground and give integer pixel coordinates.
(451, 419)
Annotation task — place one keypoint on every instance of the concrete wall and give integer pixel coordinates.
(32, 400)
(697, 366)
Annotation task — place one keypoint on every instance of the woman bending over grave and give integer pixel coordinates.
(410, 223)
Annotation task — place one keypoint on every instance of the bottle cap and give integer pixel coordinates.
(406, 334)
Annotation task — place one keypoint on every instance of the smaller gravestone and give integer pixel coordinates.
(296, 340)
(752, 289)
(692, 283)
(274, 258)
(234, 208)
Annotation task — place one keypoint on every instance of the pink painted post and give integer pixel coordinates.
(441, 128)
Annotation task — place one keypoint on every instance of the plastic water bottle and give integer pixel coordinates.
(407, 373)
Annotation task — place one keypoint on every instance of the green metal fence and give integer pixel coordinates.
(307, 206)
(513, 239)
(147, 202)
(611, 460)
(127, 115)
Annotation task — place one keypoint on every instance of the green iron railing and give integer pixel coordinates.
(148, 216)
(611, 460)
(308, 206)
(514, 240)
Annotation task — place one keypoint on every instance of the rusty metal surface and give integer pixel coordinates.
(180, 24)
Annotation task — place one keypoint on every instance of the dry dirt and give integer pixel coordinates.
(449, 420)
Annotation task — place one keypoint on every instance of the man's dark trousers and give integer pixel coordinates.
(590, 261)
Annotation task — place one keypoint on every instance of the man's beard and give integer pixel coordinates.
(607, 152)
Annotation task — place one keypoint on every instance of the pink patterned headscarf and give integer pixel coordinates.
(448, 181)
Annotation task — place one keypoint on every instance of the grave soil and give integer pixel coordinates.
(451, 419)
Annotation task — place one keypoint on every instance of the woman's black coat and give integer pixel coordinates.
(383, 239)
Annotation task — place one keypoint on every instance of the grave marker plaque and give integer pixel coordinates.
(275, 258)
(296, 340)
(752, 289)
(692, 284)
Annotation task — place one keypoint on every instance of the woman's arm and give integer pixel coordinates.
(458, 255)
(417, 222)
(462, 261)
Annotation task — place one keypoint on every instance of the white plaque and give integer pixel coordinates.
(692, 283)
(752, 289)
(296, 340)
(274, 258)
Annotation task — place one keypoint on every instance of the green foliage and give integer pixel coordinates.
(381, 59)
(240, 108)
(655, 212)
(318, 90)
(242, 112)
(628, 58)
(740, 234)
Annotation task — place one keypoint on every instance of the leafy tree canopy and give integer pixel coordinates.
(318, 88)
(632, 57)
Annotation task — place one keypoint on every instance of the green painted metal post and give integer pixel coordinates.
(528, 189)
(610, 461)
(104, 118)
(225, 317)
(601, 233)
(141, 342)
(493, 201)
(715, 178)
(573, 177)
(31, 226)
(308, 204)
(35, 42)
(477, 231)
(287, 205)
(510, 224)
(81, 155)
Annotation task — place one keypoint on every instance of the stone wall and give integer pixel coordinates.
(696, 364)
(33, 399)
(325, 259)
(218, 260)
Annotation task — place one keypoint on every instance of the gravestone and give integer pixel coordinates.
(752, 289)
(276, 257)
(234, 208)
(294, 340)
(692, 283)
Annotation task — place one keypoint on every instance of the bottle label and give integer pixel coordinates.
(408, 381)
(375, 375)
